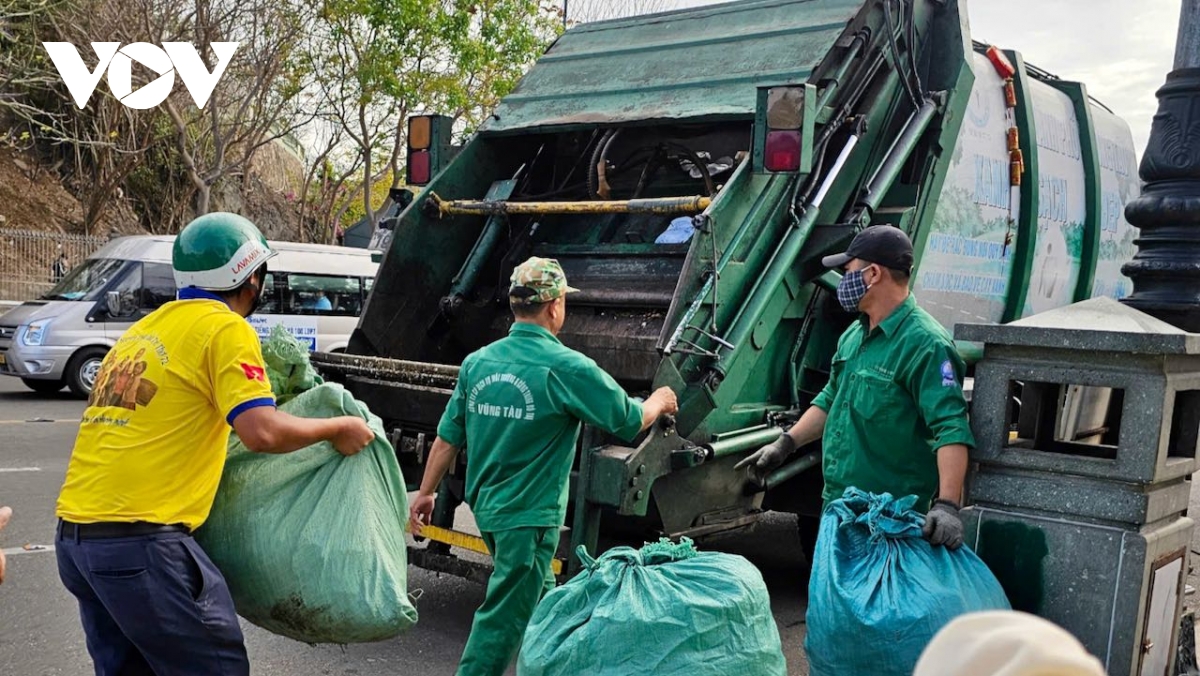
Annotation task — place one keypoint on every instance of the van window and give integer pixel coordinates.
(269, 301)
(129, 286)
(323, 295)
(158, 285)
(87, 281)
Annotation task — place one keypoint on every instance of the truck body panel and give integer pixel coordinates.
(910, 127)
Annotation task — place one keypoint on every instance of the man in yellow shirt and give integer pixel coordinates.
(148, 459)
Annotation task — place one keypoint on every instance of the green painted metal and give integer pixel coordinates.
(739, 319)
(899, 153)
(1027, 225)
(743, 442)
(793, 469)
(760, 193)
(464, 281)
(1090, 156)
(701, 63)
(781, 262)
(945, 129)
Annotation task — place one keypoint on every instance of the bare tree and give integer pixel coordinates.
(258, 99)
(100, 146)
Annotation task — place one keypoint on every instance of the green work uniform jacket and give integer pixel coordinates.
(893, 399)
(517, 410)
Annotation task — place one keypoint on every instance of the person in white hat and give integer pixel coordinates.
(1005, 643)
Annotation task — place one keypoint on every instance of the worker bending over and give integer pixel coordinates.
(517, 410)
(149, 456)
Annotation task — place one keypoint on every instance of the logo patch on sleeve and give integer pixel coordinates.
(948, 378)
(258, 373)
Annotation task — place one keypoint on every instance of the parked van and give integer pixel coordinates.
(315, 291)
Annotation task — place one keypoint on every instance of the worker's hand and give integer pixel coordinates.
(664, 398)
(419, 513)
(5, 515)
(943, 525)
(760, 463)
(353, 436)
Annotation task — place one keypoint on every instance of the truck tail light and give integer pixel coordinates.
(784, 127)
(419, 132)
(782, 151)
(418, 167)
(429, 147)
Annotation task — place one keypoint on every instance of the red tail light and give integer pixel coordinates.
(782, 151)
(418, 167)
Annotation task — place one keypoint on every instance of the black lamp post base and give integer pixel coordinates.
(1166, 269)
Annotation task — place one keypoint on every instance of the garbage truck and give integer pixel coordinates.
(688, 170)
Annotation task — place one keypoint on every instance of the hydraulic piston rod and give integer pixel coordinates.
(783, 258)
(743, 442)
(665, 206)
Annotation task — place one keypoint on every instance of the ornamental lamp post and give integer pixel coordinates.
(1166, 269)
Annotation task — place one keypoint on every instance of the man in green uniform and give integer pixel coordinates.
(892, 417)
(517, 408)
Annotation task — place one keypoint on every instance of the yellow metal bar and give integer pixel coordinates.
(663, 206)
(470, 542)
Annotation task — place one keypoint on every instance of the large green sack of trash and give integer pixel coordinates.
(288, 369)
(879, 591)
(665, 609)
(311, 543)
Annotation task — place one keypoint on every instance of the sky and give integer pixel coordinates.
(1121, 49)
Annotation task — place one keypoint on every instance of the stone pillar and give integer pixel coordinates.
(1166, 269)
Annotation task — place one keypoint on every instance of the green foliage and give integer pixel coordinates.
(379, 192)
(379, 61)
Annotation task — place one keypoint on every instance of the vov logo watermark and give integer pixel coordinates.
(171, 58)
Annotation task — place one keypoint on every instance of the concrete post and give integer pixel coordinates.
(1166, 269)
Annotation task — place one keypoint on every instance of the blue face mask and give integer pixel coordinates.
(851, 290)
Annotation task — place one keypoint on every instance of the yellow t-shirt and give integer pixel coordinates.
(151, 446)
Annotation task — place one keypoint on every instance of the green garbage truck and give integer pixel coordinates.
(688, 170)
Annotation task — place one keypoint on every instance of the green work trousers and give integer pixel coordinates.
(521, 575)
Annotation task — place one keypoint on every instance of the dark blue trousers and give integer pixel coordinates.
(152, 605)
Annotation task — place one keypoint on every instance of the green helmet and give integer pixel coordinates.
(218, 252)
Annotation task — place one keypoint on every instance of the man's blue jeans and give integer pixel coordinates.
(152, 604)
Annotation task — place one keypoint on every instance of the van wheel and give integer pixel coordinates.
(43, 386)
(83, 369)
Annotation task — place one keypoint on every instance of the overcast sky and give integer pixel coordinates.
(1122, 49)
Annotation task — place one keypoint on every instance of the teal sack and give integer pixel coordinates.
(311, 543)
(665, 609)
(879, 591)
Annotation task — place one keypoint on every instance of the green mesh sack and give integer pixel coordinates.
(288, 367)
(311, 543)
(665, 609)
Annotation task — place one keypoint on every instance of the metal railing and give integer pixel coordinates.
(31, 262)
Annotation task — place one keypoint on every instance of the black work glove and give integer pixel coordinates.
(943, 525)
(760, 463)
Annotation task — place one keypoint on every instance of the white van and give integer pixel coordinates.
(315, 291)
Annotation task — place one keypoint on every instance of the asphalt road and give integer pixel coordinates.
(40, 634)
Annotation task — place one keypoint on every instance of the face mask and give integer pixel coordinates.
(258, 293)
(851, 290)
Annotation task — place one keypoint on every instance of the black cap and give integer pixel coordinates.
(884, 245)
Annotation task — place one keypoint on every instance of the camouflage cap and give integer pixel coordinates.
(538, 280)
